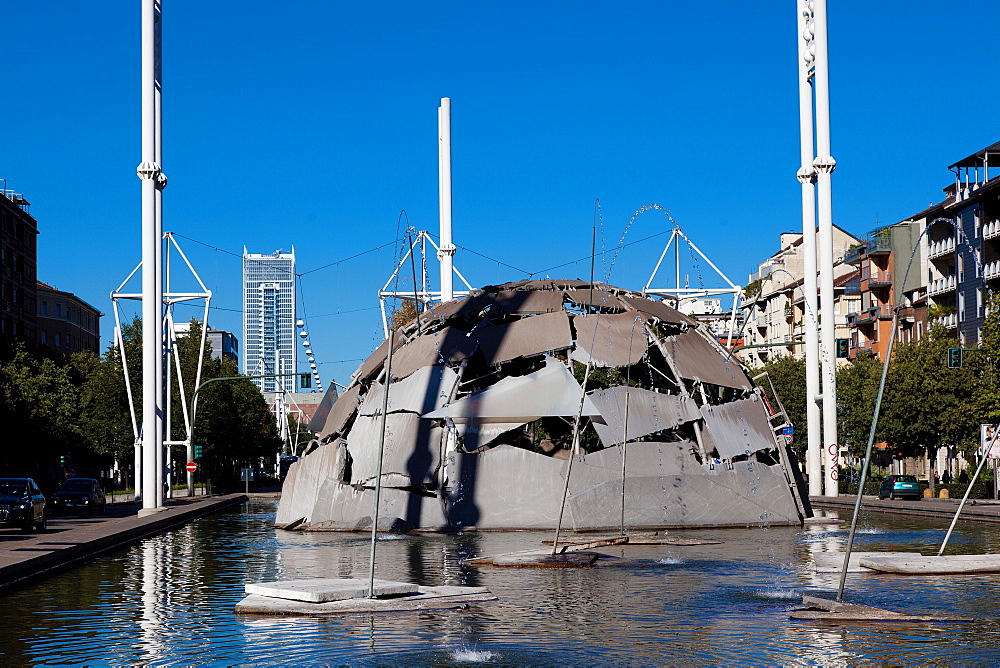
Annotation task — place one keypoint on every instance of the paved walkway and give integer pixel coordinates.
(73, 538)
(975, 510)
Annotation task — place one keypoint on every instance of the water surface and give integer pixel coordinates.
(170, 600)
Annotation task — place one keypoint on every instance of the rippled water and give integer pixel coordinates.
(170, 600)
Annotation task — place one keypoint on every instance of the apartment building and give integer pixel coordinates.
(891, 266)
(18, 259)
(774, 309)
(66, 322)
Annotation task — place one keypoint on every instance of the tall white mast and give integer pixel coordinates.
(825, 164)
(807, 177)
(447, 250)
(152, 285)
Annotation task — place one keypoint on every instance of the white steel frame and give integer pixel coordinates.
(422, 295)
(168, 351)
(677, 292)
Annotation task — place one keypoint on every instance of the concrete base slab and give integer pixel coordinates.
(830, 610)
(322, 590)
(146, 512)
(426, 598)
(918, 564)
(833, 562)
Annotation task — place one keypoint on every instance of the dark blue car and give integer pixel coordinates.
(22, 504)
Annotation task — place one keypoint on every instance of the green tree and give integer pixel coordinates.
(788, 374)
(39, 409)
(928, 405)
(857, 387)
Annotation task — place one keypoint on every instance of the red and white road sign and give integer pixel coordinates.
(192, 467)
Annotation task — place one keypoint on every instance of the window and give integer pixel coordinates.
(45, 309)
(961, 307)
(58, 312)
(58, 339)
(43, 336)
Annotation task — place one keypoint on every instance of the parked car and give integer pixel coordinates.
(80, 494)
(22, 504)
(900, 487)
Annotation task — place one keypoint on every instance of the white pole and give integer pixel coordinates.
(807, 177)
(825, 164)
(161, 182)
(447, 250)
(152, 434)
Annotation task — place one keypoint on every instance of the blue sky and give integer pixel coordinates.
(313, 124)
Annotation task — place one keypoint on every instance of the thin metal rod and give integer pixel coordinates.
(378, 471)
(972, 482)
(871, 431)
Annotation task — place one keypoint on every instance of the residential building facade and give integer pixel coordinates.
(269, 345)
(774, 309)
(18, 262)
(65, 322)
(892, 264)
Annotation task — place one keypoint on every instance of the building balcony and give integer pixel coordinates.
(991, 230)
(942, 285)
(876, 278)
(861, 349)
(991, 270)
(949, 321)
(878, 246)
(853, 254)
(941, 248)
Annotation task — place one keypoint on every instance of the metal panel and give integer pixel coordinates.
(341, 412)
(659, 310)
(447, 345)
(425, 390)
(697, 359)
(549, 391)
(527, 301)
(648, 412)
(611, 340)
(597, 297)
(531, 335)
(412, 447)
(738, 428)
(377, 359)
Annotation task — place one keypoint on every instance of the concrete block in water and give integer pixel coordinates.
(321, 590)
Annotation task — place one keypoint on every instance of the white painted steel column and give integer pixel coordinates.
(447, 251)
(807, 177)
(148, 170)
(161, 182)
(825, 164)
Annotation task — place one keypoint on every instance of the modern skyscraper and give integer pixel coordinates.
(269, 344)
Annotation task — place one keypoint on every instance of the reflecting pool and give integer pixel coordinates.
(170, 600)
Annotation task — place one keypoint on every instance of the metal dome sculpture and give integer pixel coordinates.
(484, 395)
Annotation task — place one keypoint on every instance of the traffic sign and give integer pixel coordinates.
(192, 467)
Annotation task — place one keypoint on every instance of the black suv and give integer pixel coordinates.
(22, 504)
(82, 494)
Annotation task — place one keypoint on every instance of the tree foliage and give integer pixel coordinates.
(75, 408)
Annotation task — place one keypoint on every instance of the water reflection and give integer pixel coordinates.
(169, 600)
